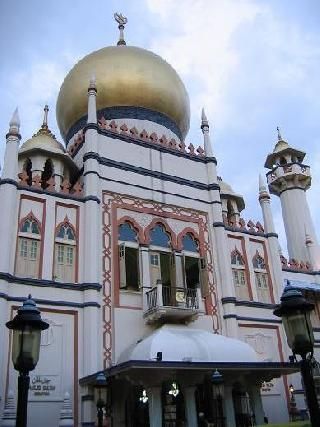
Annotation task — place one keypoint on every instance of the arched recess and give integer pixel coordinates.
(27, 167)
(47, 173)
(135, 225)
(167, 228)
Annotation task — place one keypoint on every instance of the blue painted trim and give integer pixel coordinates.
(242, 303)
(147, 172)
(250, 319)
(127, 112)
(49, 283)
(142, 187)
(50, 302)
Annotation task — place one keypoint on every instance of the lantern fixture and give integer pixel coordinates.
(217, 385)
(294, 311)
(26, 326)
(174, 391)
(100, 383)
(144, 397)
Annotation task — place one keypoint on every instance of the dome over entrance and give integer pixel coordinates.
(180, 343)
(130, 81)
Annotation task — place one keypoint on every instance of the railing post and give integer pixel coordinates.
(159, 294)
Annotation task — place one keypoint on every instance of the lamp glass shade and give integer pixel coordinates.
(299, 331)
(218, 390)
(25, 348)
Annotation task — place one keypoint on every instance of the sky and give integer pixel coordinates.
(252, 64)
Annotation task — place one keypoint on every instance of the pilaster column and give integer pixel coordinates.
(190, 406)
(155, 406)
(256, 402)
(228, 409)
(179, 269)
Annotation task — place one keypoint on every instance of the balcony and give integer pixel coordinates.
(171, 303)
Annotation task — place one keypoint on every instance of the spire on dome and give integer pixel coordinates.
(44, 130)
(121, 20)
(92, 84)
(14, 124)
(279, 134)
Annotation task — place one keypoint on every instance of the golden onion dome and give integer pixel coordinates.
(131, 83)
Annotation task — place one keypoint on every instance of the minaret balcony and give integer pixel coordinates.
(289, 172)
(162, 303)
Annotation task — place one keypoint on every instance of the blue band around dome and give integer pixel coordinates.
(138, 113)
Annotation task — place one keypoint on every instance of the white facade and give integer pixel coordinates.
(186, 261)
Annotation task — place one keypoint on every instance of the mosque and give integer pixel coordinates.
(139, 257)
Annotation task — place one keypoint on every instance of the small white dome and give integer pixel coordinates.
(180, 343)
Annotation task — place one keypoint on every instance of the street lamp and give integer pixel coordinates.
(27, 326)
(100, 383)
(218, 393)
(295, 313)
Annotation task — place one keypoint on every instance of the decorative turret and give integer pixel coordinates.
(264, 199)
(206, 134)
(289, 179)
(10, 164)
(92, 104)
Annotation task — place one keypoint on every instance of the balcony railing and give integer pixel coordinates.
(171, 302)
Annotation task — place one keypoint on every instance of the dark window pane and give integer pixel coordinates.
(189, 243)
(132, 269)
(159, 237)
(127, 233)
(192, 272)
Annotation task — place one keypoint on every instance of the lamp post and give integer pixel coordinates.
(27, 326)
(100, 383)
(295, 313)
(218, 393)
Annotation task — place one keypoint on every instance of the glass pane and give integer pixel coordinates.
(132, 266)
(61, 232)
(236, 258)
(69, 255)
(192, 272)
(127, 233)
(60, 254)
(69, 233)
(33, 249)
(23, 248)
(258, 262)
(159, 237)
(35, 228)
(189, 243)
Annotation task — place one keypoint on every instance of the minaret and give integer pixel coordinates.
(219, 236)
(289, 179)
(10, 164)
(272, 238)
(92, 239)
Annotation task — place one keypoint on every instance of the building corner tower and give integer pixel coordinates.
(289, 178)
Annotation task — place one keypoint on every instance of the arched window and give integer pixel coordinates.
(28, 251)
(239, 275)
(159, 237)
(128, 257)
(162, 260)
(194, 267)
(65, 254)
(261, 278)
(46, 173)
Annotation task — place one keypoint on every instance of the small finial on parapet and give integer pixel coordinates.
(14, 124)
(206, 136)
(66, 413)
(9, 412)
(279, 134)
(121, 20)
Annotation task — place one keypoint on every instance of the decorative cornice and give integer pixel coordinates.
(49, 283)
(242, 303)
(15, 135)
(251, 319)
(147, 172)
(142, 187)
(51, 302)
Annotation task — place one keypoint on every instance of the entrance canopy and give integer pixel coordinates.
(188, 351)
